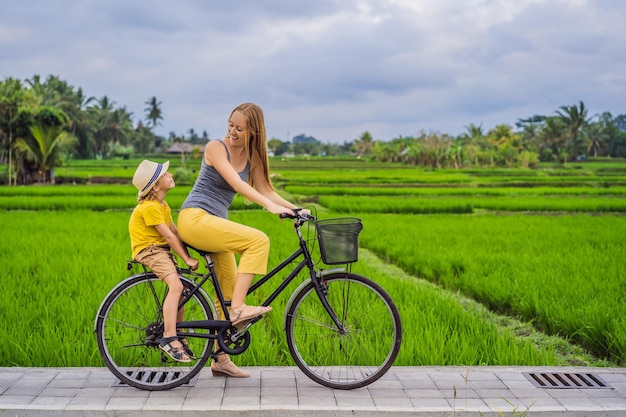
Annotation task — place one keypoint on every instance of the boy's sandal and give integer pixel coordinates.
(240, 319)
(187, 349)
(176, 353)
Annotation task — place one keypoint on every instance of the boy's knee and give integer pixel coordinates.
(174, 284)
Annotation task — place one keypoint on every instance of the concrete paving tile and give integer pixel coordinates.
(354, 393)
(242, 392)
(430, 404)
(11, 376)
(393, 403)
(243, 382)
(386, 384)
(29, 385)
(582, 403)
(417, 383)
(278, 391)
(449, 382)
(540, 403)
(191, 404)
(511, 376)
(287, 402)
(469, 405)
(279, 382)
(67, 382)
(361, 403)
(476, 374)
(423, 393)
(495, 393)
(87, 403)
(205, 393)
(287, 392)
(530, 393)
(99, 382)
(603, 393)
(72, 373)
(487, 384)
(278, 373)
(49, 403)
(210, 382)
(163, 403)
(130, 392)
(317, 401)
(95, 392)
(387, 393)
(16, 401)
(315, 391)
(459, 393)
(241, 402)
(126, 403)
(58, 392)
(505, 405)
(304, 381)
(566, 393)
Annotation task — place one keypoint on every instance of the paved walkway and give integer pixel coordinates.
(285, 391)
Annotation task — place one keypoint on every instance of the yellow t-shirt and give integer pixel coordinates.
(143, 220)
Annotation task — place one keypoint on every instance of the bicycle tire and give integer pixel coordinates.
(128, 324)
(356, 355)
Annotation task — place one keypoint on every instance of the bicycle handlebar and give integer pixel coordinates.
(298, 215)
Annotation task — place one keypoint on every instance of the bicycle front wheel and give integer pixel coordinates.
(128, 324)
(354, 354)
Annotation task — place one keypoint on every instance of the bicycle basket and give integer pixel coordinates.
(339, 239)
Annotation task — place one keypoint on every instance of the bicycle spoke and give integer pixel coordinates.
(128, 325)
(361, 350)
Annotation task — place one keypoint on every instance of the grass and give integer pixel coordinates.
(509, 266)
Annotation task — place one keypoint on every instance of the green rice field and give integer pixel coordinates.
(487, 267)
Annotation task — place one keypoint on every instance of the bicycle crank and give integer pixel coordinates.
(233, 341)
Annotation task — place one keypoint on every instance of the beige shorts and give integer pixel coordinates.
(159, 259)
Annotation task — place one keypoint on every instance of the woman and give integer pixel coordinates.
(236, 164)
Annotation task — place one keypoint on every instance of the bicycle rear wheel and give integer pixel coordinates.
(128, 324)
(359, 352)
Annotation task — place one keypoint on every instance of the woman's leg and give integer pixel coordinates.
(225, 238)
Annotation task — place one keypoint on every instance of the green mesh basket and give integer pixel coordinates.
(339, 240)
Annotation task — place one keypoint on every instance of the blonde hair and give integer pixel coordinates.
(256, 142)
(149, 196)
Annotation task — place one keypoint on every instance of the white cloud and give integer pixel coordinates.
(329, 68)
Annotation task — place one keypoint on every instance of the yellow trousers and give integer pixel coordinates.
(225, 238)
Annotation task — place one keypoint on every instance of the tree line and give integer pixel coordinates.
(46, 123)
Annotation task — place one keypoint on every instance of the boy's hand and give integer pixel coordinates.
(192, 263)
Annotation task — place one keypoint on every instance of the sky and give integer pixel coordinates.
(331, 69)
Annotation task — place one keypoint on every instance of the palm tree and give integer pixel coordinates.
(11, 98)
(474, 134)
(363, 144)
(111, 126)
(600, 133)
(153, 111)
(44, 147)
(553, 139)
(575, 118)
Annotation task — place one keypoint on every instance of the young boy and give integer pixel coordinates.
(152, 234)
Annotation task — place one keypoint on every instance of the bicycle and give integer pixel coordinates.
(343, 330)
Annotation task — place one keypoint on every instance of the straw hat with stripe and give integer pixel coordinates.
(147, 174)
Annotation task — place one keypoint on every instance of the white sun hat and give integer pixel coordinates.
(147, 174)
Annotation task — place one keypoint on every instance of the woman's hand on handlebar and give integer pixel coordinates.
(280, 210)
(296, 213)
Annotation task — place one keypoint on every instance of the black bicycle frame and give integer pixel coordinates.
(217, 325)
(220, 324)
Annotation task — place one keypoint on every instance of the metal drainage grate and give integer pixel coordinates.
(571, 380)
(150, 376)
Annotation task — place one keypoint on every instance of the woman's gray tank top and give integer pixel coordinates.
(211, 192)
